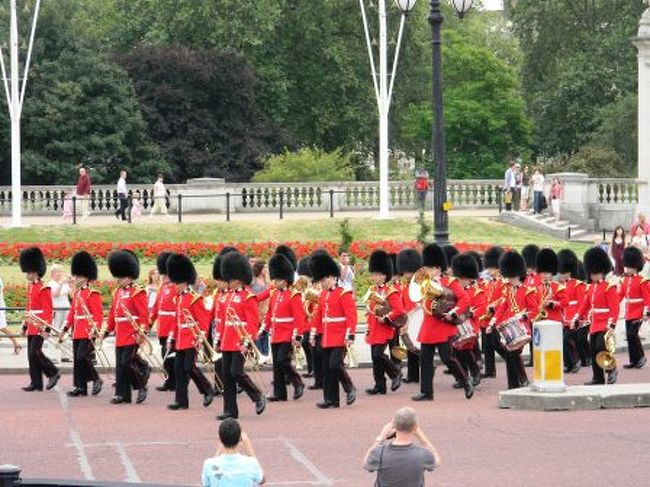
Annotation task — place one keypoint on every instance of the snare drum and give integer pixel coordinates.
(465, 336)
(514, 333)
(412, 329)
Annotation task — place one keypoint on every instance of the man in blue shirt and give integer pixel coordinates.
(235, 464)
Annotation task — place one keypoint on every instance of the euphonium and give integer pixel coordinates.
(422, 287)
(301, 284)
(605, 358)
(373, 297)
(311, 295)
(399, 352)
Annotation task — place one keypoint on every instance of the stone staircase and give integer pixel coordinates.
(545, 223)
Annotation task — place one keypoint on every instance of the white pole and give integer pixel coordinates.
(383, 113)
(14, 108)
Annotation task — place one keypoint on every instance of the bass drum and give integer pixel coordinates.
(412, 330)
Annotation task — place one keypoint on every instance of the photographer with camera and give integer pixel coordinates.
(396, 459)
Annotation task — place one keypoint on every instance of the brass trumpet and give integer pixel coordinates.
(146, 348)
(54, 336)
(206, 353)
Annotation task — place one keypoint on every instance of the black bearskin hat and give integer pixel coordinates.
(580, 272)
(492, 256)
(450, 252)
(226, 249)
(180, 269)
(511, 264)
(434, 256)
(33, 260)
(633, 258)
(380, 261)
(216, 266)
(124, 263)
(478, 258)
(408, 260)
(161, 262)
(393, 261)
(465, 266)
(236, 267)
(567, 262)
(83, 265)
(547, 261)
(289, 254)
(322, 265)
(597, 261)
(303, 267)
(529, 253)
(280, 268)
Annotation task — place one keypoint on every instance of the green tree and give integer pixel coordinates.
(306, 165)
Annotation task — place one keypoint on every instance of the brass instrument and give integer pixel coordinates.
(207, 355)
(98, 344)
(54, 337)
(423, 286)
(543, 314)
(351, 359)
(399, 352)
(251, 353)
(605, 358)
(146, 348)
(299, 356)
(301, 284)
(311, 295)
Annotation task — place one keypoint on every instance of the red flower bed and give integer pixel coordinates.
(62, 251)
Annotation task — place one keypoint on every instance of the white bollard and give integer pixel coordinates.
(548, 372)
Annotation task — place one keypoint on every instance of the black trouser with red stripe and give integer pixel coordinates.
(282, 367)
(488, 352)
(515, 369)
(382, 366)
(233, 374)
(467, 359)
(570, 350)
(168, 364)
(597, 344)
(317, 356)
(83, 370)
(308, 352)
(427, 352)
(333, 373)
(127, 371)
(39, 364)
(185, 369)
(634, 347)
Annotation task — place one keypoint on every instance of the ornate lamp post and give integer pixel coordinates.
(440, 204)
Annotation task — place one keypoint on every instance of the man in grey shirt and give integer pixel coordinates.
(401, 463)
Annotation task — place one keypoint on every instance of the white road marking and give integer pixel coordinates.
(301, 458)
(84, 465)
(129, 469)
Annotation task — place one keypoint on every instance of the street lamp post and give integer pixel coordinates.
(440, 204)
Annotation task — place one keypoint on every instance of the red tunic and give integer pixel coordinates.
(403, 288)
(337, 314)
(556, 294)
(601, 306)
(575, 294)
(493, 297)
(285, 317)
(517, 300)
(77, 318)
(134, 298)
(478, 305)
(378, 331)
(533, 279)
(39, 303)
(192, 304)
(239, 304)
(164, 310)
(636, 292)
(435, 330)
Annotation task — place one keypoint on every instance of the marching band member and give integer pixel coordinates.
(337, 314)
(409, 262)
(383, 318)
(478, 303)
(437, 332)
(600, 307)
(164, 312)
(219, 298)
(635, 289)
(304, 272)
(519, 301)
(575, 294)
(39, 305)
(237, 329)
(465, 269)
(529, 253)
(192, 319)
(450, 252)
(493, 285)
(582, 334)
(128, 299)
(86, 301)
(285, 318)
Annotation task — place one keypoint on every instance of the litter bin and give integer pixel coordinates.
(9, 476)
(548, 372)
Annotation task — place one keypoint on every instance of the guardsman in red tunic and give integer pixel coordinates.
(519, 301)
(238, 326)
(493, 285)
(438, 331)
(39, 304)
(192, 322)
(600, 308)
(533, 280)
(85, 318)
(385, 314)
(575, 294)
(164, 313)
(219, 298)
(635, 289)
(337, 314)
(409, 262)
(285, 320)
(305, 274)
(129, 303)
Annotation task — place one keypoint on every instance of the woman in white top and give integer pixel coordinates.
(3, 320)
(538, 191)
(60, 286)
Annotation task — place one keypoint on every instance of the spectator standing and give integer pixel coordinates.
(509, 186)
(616, 249)
(640, 222)
(401, 463)
(136, 206)
(516, 198)
(538, 190)
(422, 186)
(67, 208)
(159, 197)
(260, 284)
(555, 193)
(235, 463)
(153, 285)
(525, 188)
(123, 196)
(83, 192)
(346, 280)
(60, 286)
(642, 242)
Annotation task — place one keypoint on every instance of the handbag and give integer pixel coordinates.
(507, 197)
(543, 204)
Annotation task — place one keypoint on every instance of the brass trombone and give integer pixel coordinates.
(146, 348)
(54, 336)
(206, 353)
(251, 353)
(98, 333)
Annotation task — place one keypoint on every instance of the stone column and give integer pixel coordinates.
(642, 43)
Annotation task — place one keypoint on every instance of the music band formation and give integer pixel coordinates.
(467, 307)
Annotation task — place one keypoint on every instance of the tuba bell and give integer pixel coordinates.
(605, 358)
(422, 287)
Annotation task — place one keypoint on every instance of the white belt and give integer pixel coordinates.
(185, 325)
(282, 320)
(635, 300)
(166, 313)
(338, 319)
(571, 303)
(217, 320)
(124, 318)
(600, 310)
(36, 311)
(235, 323)
(80, 317)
